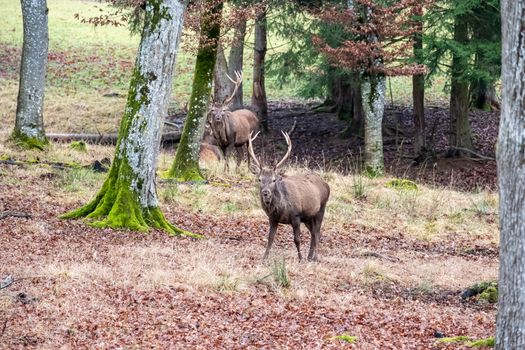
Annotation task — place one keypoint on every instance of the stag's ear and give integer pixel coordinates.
(279, 172)
(254, 168)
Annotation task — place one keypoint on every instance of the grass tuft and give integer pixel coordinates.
(280, 274)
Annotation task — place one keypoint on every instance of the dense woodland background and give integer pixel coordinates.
(395, 103)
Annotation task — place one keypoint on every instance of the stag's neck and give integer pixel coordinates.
(279, 205)
(221, 131)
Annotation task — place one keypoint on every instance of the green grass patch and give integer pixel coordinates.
(350, 339)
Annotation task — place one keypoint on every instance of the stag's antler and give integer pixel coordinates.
(289, 142)
(250, 149)
(237, 82)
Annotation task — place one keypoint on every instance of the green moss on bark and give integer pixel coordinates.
(186, 164)
(29, 142)
(117, 206)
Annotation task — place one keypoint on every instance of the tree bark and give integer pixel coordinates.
(186, 164)
(128, 197)
(418, 93)
(460, 134)
(235, 60)
(510, 327)
(345, 92)
(483, 95)
(222, 87)
(29, 123)
(373, 89)
(259, 90)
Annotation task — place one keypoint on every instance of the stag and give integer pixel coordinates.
(232, 129)
(291, 200)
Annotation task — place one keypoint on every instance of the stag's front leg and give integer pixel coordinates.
(240, 154)
(227, 152)
(271, 236)
(296, 224)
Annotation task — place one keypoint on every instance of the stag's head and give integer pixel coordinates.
(269, 177)
(220, 110)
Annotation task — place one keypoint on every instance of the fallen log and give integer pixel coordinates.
(105, 139)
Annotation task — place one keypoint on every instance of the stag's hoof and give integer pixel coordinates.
(313, 259)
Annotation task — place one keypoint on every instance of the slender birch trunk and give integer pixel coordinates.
(259, 100)
(510, 328)
(29, 124)
(128, 197)
(222, 87)
(235, 60)
(186, 164)
(373, 89)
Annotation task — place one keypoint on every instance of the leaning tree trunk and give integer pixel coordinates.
(510, 326)
(460, 138)
(235, 60)
(373, 88)
(186, 164)
(222, 87)
(128, 197)
(418, 92)
(259, 52)
(29, 124)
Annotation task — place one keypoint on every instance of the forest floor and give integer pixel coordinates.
(393, 262)
(318, 142)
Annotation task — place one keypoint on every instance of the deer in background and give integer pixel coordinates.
(291, 200)
(232, 129)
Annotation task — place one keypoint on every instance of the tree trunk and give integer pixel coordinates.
(29, 124)
(186, 164)
(460, 135)
(235, 60)
(259, 90)
(483, 95)
(510, 327)
(418, 93)
(346, 92)
(128, 197)
(222, 87)
(373, 89)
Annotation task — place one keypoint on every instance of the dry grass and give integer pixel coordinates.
(428, 214)
(369, 246)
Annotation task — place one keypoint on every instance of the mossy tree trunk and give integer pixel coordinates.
(259, 100)
(128, 198)
(510, 325)
(29, 124)
(373, 88)
(460, 136)
(186, 164)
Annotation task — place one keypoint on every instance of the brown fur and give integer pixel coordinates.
(292, 200)
(232, 129)
(209, 153)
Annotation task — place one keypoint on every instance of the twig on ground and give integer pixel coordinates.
(377, 255)
(16, 214)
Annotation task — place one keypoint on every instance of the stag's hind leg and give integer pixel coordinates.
(296, 224)
(315, 231)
